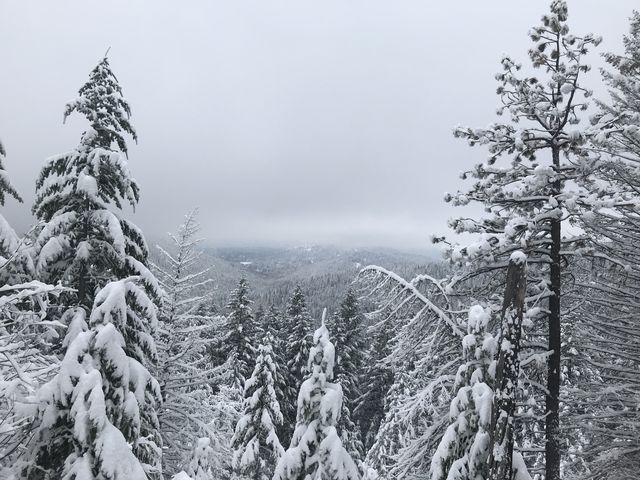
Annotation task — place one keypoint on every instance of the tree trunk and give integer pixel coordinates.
(508, 371)
(552, 449)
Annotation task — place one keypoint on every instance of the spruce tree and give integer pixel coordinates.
(298, 326)
(377, 379)
(85, 241)
(316, 450)
(255, 443)
(349, 340)
(239, 335)
(15, 265)
(97, 416)
(273, 326)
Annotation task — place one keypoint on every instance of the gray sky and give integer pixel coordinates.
(286, 122)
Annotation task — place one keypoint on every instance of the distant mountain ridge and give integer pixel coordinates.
(323, 272)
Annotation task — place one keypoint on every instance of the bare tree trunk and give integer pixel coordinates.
(508, 370)
(552, 449)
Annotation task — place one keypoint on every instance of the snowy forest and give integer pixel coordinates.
(516, 356)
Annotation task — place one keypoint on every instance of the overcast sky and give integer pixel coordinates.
(285, 122)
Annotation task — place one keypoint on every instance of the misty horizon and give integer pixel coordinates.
(285, 126)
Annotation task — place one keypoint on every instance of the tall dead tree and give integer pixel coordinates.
(508, 369)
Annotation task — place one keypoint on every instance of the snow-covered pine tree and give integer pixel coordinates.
(6, 189)
(464, 450)
(11, 270)
(199, 468)
(298, 325)
(544, 182)
(85, 242)
(182, 372)
(376, 380)
(256, 446)
(316, 451)
(97, 416)
(273, 325)
(348, 337)
(239, 335)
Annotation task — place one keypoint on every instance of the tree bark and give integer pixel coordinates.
(552, 427)
(508, 371)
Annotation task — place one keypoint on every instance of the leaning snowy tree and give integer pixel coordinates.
(605, 402)
(182, 370)
(422, 357)
(316, 451)
(256, 445)
(537, 176)
(85, 242)
(98, 414)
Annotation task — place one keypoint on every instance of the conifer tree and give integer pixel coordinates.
(544, 180)
(85, 241)
(316, 450)
(182, 372)
(239, 335)
(273, 326)
(15, 265)
(464, 450)
(199, 468)
(255, 443)
(97, 416)
(349, 340)
(298, 326)
(6, 189)
(377, 379)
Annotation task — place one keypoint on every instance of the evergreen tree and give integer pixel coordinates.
(85, 242)
(97, 416)
(377, 379)
(273, 326)
(298, 326)
(6, 189)
(349, 341)
(464, 450)
(547, 180)
(316, 450)
(256, 444)
(15, 265)
(182, 372)
(239, 335)
(199, 468)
